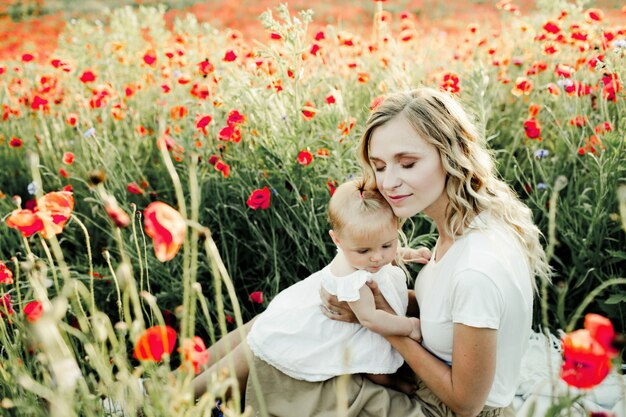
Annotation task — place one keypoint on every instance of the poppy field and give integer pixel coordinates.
(163, 179)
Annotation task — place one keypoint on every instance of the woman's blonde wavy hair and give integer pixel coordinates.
(471, 182)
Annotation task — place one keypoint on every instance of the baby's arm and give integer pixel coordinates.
(380, 321)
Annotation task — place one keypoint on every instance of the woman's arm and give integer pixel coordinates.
(382, 322)
(465, 385)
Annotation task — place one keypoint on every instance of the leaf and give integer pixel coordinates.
(616, 298)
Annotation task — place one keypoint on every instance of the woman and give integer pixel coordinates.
(473, 297)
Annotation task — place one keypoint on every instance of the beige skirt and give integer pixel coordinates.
(287, 397)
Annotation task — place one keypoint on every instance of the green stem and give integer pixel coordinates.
(589, 298)
(55, 278)
(107, 257)
(89, 258)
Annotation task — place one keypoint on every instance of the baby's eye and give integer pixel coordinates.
(387, 246)
(363, 251)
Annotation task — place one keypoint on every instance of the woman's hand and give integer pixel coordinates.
(335, 309)
(419, 255)
(379, 300)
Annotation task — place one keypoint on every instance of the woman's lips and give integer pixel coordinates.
(395, 199)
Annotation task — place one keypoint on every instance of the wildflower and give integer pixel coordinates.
(68, 158)
(89, 132)
(450, 83)
(552, 27)
(178, 112)
(134, 188)
(166, 227)
(308, 110)
(6, 308)
(6, 276)
(27, 57)
(315, 48)
(202, 122)
(150, 58)
(15, 142)
(259, 199)
(63, 173)
(39, 103)
(116, 214)
(25, 221)
(523, 86)
(230, 56)
(33, 311)
(305, 157)
(532, 129)
(542, 186)
(194, 352)
(603, 128)
(87, 76)
(533, 109)
(230, 133)
(320, 36)
(541, 153)
(323, 152)
(553, 89)
(578, 121)
(55, 209)
(154, 343)
(235, 118)
(222, 167)
(611, 87)
(332, 186)
(376, 101)
(587, 352)
(594, 15)
(330, 99)
(562, 70)
(71, 119)
(257, 297)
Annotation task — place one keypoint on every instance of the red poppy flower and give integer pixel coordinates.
(611, 87)
(562, 70)
(235, 118)
(315, 48)
(166, 227)
(15, 142)
(553, 89)
(259, 199)
(230, 133)
(178, 112)
(87, 76)
(6, 308)
(603, 128)
(154, 343)
(305, 157)
(376, 101)
(577, 88)
(134, 188)
(33, 311)
(71, 119)
(39, 103)
(323, 152)
(332, 186)
(551, 27)
(230, 56)
(68, 158)
(27, 57)
(222, 167)
(330, 99)
(587, 353)
(6, 276)
(450, 82)
(523, 86)
(202, 122)
(150, 58)
(308, 110)
(533, 109)
(532, 128)
(257, 297)
(25, 221)
(194, 352)
(115, 213)
(54, 209)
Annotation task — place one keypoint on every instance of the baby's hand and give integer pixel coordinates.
(416, 331)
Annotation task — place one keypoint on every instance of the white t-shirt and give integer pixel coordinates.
(483, 280)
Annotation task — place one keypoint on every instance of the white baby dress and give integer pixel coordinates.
(295, 337)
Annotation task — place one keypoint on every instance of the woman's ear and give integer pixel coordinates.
(333, 236)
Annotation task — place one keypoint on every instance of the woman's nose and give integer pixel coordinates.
(390, 180)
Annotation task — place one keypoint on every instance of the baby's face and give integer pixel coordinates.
(370, 251)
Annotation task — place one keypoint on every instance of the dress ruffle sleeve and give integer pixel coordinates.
(348, 287)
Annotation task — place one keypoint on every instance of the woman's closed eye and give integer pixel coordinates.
(408, 166)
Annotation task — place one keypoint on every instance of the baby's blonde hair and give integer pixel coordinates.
(471, 182)
(355, 209)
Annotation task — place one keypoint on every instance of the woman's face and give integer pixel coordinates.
(408, 170)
